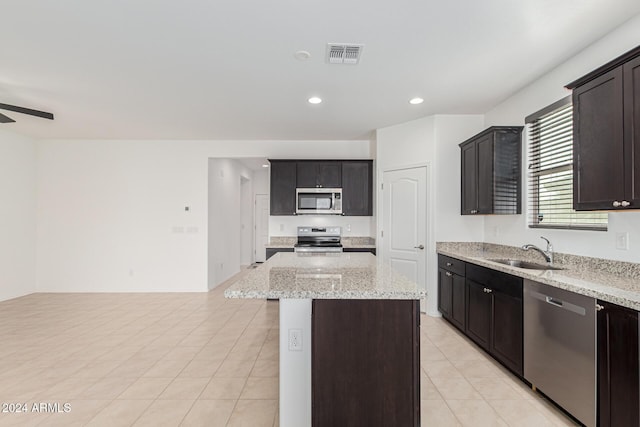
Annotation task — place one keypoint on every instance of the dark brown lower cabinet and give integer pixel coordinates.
(507, 332)
(618, 367)
(494, 314)
(371, 250)
(272, 251)
(451, 297)
(478, 314)
(365, 363)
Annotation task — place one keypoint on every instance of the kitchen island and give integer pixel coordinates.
(349, 338)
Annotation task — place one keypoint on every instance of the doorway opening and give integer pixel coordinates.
(233, 186)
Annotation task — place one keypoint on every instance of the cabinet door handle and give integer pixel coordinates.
(421, 247)
(599, 307)
(624, 204)
(616, 204)
(487, 290)
(449, 264)
(448, 274)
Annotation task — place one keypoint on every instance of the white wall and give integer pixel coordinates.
(261, 181)
(434, 141)
(111, 214)
(513, 230)
(449, 224)
(17, 215)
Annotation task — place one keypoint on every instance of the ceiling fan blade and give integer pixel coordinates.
(29, 111)
(5, 119)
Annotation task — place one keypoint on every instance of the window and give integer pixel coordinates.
(551, 172)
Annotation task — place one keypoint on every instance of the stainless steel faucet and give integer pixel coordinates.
(548, 254)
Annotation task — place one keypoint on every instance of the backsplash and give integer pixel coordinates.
(283, 240)
(353, 241)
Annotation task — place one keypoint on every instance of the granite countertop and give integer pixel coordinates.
(612, 281)
(327, 276)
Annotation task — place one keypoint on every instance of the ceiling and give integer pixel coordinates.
(222, 69)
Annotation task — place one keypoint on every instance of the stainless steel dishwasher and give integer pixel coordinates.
(560, 348)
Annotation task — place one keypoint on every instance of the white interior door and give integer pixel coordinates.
(404, 221)
(261, 224)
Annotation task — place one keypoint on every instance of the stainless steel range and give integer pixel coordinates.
(319, 239)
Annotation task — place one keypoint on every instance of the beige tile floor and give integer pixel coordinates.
(203, 360)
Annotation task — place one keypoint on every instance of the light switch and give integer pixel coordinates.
(622, 241)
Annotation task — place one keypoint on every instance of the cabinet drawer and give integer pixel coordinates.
(496, 280)
(451, 264)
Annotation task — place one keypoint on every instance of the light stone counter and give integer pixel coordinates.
(611, 281)
(327, 276)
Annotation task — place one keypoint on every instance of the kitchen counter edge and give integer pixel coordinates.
(604, 286)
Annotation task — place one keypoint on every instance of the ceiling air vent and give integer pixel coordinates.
(344, 53)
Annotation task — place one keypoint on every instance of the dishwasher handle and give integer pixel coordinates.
(579, 310)
(553, 301)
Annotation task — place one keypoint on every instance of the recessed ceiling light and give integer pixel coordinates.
(416, 101)
(314, 100)
(302, 55)
(265, 165)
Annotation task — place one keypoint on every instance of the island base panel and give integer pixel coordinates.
(295, 363)
(365, 363)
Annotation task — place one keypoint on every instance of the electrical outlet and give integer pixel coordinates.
(622, 241)
(295, 339)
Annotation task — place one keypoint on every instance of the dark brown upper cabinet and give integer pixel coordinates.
(606, 136)
(357, 179)
(319, 174)
(491, 172)
(283, 187)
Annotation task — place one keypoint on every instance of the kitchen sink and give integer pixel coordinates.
(524, 264)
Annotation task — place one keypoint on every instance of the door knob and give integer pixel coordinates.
(421, 247)
(624, 203)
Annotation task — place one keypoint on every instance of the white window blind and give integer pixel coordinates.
(551, 172)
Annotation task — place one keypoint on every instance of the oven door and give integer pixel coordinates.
(317, 201)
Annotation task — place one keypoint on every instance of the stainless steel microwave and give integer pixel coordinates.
(319, 201)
